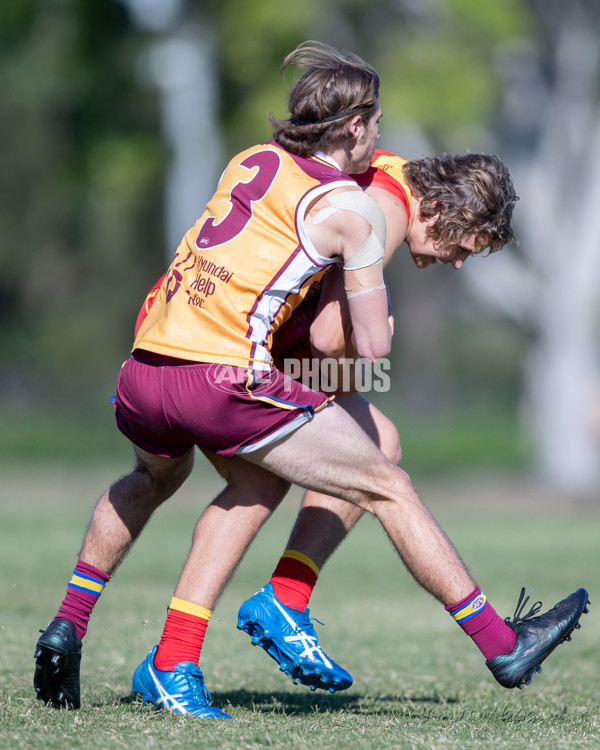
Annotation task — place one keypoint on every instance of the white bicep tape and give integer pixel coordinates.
(371, 251)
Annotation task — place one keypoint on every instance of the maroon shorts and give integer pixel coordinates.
(165, 406)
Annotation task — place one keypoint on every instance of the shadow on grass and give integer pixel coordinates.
(306, 702)
(289, 702)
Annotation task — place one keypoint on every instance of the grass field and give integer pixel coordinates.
(419, 682)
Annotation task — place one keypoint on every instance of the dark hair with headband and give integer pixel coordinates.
(334, 88)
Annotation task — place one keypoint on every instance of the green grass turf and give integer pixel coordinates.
(419, 682)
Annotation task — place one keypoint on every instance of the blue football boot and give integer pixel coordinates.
(537, 637)
(288, 636)
(181, 690)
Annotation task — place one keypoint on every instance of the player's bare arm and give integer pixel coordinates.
(350, 224)
(331, 329)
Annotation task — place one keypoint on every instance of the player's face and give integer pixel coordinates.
(425, 253)
(367, 135)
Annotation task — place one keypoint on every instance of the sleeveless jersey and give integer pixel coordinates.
(246, 263)
(386, 172)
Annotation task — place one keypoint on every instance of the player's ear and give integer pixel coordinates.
(355, 126)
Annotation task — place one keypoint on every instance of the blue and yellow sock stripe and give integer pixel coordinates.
(86, 583)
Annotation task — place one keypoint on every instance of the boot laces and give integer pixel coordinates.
(521, 604)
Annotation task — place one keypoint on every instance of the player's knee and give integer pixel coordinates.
(273, 489)
(395, 485)
(389, 442)
(165, 476)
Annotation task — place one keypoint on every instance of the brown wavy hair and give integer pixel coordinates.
(335, 87)
(469, 194)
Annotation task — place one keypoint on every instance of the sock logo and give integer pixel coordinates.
(470, 609)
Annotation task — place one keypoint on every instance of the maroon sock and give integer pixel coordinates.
(83, 591)
(479, 620)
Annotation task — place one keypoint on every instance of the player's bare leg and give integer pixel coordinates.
(324, 521)
(220, 539)
(119, 516)
(227, 527)
(276, 614)
(124, 509)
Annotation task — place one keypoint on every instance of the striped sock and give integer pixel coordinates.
(479, 620)
(294, 579)
(83, 591)
(183, 634)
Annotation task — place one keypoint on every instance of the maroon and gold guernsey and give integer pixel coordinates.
(292, 340)
(245, 265)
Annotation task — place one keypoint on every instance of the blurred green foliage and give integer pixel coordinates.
(81, 187)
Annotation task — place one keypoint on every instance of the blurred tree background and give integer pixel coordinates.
(117, 117)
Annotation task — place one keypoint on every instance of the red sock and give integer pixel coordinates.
(182, 636)
(83, 591)
(479, 620)
(294, 579)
